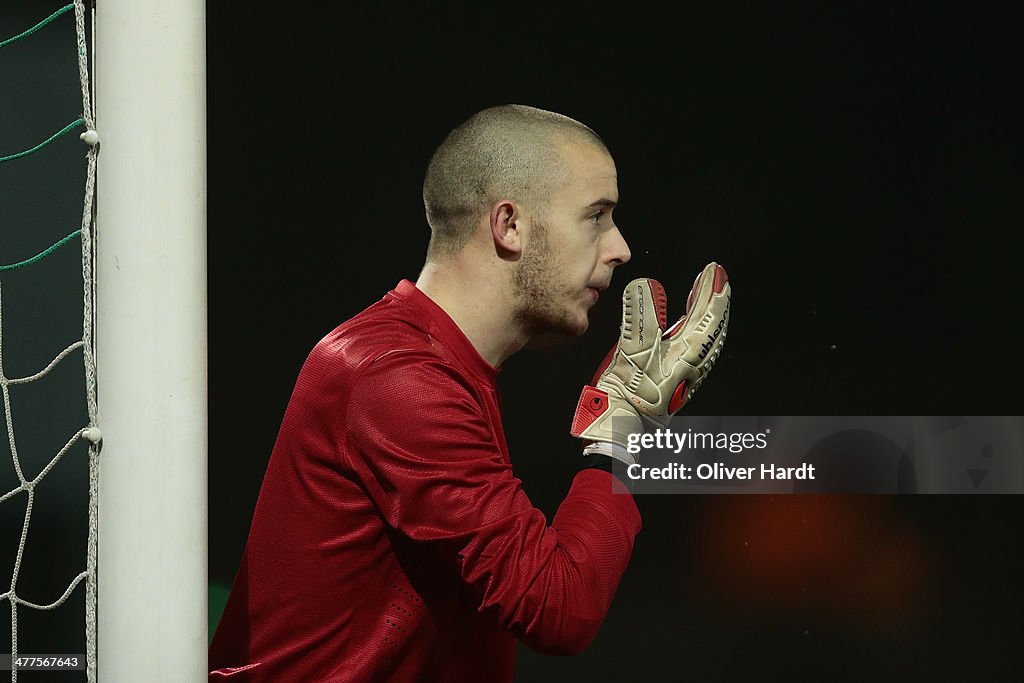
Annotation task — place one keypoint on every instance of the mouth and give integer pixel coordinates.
(595, 292)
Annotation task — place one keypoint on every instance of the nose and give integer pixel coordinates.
(616, 250)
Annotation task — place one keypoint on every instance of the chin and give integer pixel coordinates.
(555, 335)
(550, 322)
(574, 328)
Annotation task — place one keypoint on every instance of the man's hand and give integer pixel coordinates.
(652, 372)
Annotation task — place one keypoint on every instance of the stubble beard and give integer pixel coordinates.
(540, 296)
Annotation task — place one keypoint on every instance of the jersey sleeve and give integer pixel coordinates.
(420, 442)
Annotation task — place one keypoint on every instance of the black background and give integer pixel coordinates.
(853, 168)
(856, 169)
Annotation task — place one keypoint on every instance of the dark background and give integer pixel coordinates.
(855, 169)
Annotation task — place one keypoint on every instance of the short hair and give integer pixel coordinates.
(509, 151)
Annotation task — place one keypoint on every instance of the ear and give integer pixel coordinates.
(506, 229)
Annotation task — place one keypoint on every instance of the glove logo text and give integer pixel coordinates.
(710, 343)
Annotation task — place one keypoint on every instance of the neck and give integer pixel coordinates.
(480, 302)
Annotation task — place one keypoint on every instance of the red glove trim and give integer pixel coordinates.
(592, 405)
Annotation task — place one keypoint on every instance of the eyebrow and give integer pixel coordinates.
(602, 202)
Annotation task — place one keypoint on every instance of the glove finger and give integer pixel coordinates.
(720, 278)
(698, 337)
(644, 312)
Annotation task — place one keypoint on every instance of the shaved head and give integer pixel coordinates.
(507, 152)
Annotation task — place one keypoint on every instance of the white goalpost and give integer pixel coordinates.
(150, 85)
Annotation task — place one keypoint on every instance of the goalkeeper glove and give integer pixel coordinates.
(653, 371)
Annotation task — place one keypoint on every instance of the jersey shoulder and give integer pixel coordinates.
(390, 327)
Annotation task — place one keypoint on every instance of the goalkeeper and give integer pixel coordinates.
(391, 540)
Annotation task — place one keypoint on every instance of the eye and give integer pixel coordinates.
(596, 218)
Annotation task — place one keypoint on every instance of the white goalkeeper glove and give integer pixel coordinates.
(653, 371)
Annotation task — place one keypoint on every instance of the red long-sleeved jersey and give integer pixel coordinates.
(391, 541)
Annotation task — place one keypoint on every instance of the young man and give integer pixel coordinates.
(391, 541)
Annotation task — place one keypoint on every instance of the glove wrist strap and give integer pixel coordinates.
(612, 450)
